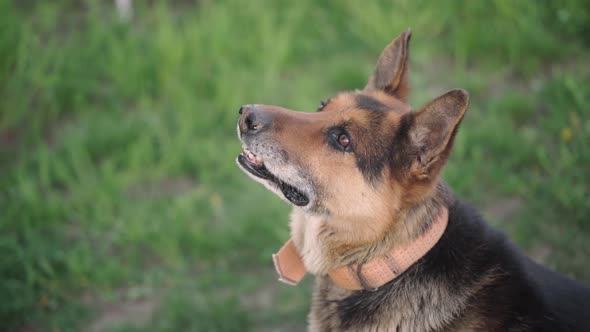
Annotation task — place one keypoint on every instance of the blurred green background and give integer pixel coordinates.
(121, 208)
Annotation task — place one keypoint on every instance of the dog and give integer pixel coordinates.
(390, 245)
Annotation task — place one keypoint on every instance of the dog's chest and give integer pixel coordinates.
(305, 232)
(399, 308)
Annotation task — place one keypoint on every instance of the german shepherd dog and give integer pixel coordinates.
(363, 176)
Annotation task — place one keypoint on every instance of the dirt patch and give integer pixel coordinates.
(283, 328)
(267, 297)
(154, 189)
(262, 298)
(540, 253)
(503, 210)
(135, 313)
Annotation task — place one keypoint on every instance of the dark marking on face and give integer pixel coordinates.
(404, 152)
(369, 103)
(374, 148)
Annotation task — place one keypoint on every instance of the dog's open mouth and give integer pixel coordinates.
(256, 167)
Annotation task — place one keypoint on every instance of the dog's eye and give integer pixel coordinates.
(339, 138)
(344, 140)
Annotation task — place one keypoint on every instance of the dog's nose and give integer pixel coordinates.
(253, 119)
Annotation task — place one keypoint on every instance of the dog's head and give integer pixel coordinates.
(362, 153)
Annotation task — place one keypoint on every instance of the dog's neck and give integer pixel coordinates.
(324, 248)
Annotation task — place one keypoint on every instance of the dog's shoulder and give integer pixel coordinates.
(564, 300)
(539, 299)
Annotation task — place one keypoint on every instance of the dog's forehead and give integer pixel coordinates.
(367, 100)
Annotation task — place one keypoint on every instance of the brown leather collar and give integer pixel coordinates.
(371, 274)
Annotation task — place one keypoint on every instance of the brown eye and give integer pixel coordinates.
(339, 138)
(344, 140)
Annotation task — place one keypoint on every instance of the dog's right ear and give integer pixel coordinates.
(391, 71)
(433, 131)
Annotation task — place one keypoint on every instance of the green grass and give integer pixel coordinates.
(117, 143)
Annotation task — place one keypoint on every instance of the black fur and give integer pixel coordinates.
(369, 103)
(374, 155)
(404, 151)
(523, 295)
(387, 146)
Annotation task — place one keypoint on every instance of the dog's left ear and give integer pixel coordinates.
(391, 71)
(432, 132)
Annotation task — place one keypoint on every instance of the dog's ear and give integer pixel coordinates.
(433, 131)
(391, 71)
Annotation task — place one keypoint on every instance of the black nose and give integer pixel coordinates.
(253, 119)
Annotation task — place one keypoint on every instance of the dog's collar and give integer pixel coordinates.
(369, 275)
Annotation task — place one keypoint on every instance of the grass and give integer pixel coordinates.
(117, 145)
